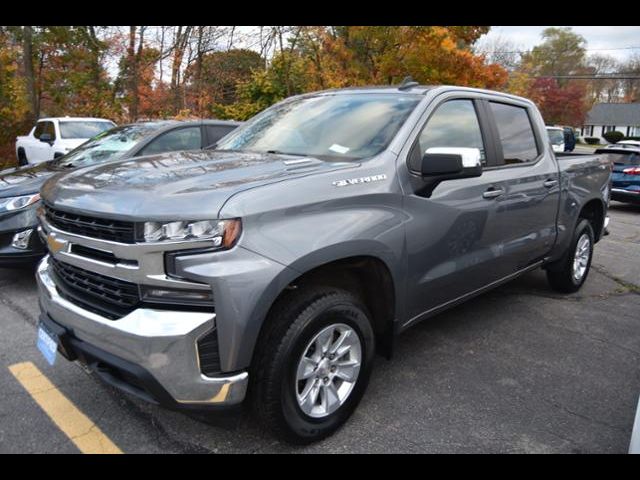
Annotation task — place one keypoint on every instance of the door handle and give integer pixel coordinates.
(550, 183)
(493, 193)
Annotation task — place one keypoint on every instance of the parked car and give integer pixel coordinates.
(280, 262)
(624, 144)
(625, 158)
(19, 188)
(53, 137)
(570, 139)
(556, 137)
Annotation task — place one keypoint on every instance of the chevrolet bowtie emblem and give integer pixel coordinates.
(55, 244)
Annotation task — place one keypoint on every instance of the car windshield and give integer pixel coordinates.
(344, 126)
(83, 129)
(106, 146)
(556, 136)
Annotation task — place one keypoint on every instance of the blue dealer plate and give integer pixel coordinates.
(47, 344)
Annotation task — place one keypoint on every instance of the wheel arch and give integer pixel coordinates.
(367, 276)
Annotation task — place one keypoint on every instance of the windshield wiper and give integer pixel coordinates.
(278, 152)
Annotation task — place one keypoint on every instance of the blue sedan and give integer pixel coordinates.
(626, 172)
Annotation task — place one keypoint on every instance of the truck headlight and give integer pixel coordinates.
(223, 233)
(16, 203)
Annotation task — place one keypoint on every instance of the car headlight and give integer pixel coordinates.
(16, 203)
(223, 233)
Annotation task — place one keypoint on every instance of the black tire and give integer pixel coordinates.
(292, 324)
(22, 158)
(561, 273)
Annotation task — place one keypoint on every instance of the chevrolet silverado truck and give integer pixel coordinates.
(269, 270)
(53, 137)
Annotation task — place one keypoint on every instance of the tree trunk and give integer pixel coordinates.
(27, 58)
(133, 75)
(180, 44)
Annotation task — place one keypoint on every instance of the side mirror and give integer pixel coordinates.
(445, 163)
(46, 138)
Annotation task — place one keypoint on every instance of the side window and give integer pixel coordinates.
(181, 139)
(453, 124)
(39, 129)
(516, 133)
(216, 132)
(50, 129)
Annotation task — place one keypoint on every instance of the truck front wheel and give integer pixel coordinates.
(571, 271)
(312, 364)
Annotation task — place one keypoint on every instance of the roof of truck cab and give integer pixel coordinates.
(415, 90)
(418, 89)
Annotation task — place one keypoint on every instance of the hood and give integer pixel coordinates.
(174, 186)
(25, 180)
(71, 143)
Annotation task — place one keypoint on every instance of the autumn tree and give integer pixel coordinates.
(339, 56)
(559, 105)
(213, 80)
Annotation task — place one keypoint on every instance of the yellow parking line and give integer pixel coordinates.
(85, 434)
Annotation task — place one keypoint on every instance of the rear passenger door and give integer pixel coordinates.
(529, 180)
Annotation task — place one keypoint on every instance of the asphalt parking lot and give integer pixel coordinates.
(520, 369)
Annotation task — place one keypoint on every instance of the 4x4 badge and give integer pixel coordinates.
(356, 181)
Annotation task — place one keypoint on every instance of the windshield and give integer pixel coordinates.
(556, 136)
(344, 126)
(109, 145)
(83, 129)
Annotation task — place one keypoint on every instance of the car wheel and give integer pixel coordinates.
(570, 272)
(22, 158)
(312, 364)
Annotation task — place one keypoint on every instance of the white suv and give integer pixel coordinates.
(53, 137)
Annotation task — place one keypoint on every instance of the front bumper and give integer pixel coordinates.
(149, 352)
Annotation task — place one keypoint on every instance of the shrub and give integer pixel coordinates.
(632, 138)
(613, 136)
(592, 140)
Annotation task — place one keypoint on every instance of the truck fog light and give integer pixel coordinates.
(21, 239)
(176, 296)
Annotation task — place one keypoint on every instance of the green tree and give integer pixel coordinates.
(562, 52)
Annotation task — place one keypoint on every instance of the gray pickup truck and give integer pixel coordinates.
(274, 266)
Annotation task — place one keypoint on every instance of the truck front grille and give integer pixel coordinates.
(101, 228)
(108, 297)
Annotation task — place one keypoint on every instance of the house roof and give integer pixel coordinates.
(614, 114)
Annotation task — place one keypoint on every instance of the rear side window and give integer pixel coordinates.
(181, 139)
(79, 129)
(453, 124)
(516, 133)
(216, 132)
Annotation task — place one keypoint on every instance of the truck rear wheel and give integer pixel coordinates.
(22, 158)
(571, 271)
(312, 364)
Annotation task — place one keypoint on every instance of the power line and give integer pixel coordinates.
(586, 50)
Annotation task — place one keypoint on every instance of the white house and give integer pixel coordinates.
(606, 117)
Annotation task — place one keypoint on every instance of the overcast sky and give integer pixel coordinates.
(606, 40)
